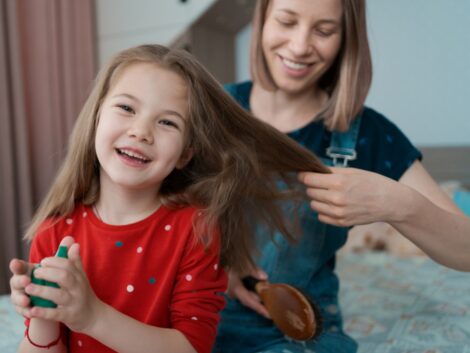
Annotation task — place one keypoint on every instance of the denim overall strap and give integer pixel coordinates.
(342, 147)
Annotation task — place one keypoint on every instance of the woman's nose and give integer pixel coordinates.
(300, 43)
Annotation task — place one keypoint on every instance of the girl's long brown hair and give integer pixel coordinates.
(233, 176)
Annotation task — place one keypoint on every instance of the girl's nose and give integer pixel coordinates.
(141, 130)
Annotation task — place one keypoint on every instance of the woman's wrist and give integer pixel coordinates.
(405, 204)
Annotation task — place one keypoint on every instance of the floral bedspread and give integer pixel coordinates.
(394, 305)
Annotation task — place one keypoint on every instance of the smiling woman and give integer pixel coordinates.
(311, 72)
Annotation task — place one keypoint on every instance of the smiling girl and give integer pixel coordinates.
(163, 182)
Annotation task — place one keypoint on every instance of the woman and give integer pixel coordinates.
(311, 69)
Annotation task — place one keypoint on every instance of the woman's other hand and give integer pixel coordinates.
(250, 299)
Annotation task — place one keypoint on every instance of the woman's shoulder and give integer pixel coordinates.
(382, 147)
(374, 119)
(376, 126)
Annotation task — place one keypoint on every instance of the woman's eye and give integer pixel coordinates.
(285, 23)
(325, 32)
(126, 108)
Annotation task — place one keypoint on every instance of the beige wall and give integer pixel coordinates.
(124, 23)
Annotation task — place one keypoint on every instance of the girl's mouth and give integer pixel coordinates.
(132, 155)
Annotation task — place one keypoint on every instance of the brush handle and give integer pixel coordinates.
(250, 283)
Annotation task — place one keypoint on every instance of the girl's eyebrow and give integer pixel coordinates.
(165, 112)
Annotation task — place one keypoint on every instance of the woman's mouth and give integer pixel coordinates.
(295, 68)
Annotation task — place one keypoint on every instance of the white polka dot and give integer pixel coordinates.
(69, 221)
(189, 278)
(167, 227)
(139, 249)
(194, 318)
(130, 288)
(199, 214)
(216, 266)
(84, 214)
(80, 343)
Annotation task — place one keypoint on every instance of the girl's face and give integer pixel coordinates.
(142, 126)
(300, 41)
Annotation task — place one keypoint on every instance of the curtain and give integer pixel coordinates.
(47, 65)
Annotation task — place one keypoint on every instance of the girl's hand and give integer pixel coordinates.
(21, 278)
(352, 196)
(250, 299)
(77, 305)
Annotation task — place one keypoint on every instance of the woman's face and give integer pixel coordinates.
(300, 41)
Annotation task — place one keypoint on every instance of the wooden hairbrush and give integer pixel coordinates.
(291, 311)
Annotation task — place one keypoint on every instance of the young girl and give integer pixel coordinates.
(163, 182)
(311, 70)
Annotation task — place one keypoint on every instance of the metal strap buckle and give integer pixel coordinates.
(343, 155)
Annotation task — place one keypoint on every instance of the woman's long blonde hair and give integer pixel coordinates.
(347, 82)
(232, 177)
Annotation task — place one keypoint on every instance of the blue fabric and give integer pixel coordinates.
(462, 199)
(309, 264)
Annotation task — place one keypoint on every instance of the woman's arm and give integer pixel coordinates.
(415, 206)
(431, 220)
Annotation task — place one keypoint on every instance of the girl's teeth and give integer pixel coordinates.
(133, 155)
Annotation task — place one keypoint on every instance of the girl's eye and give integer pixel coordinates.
(167, 122)
(126, 108)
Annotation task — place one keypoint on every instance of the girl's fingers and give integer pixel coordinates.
(74, 256)
(20, 300)
(67, 241)
(56, 295)
(19, 267)
(45, 313)
(18, 282)
(25, 312)
(57, 275)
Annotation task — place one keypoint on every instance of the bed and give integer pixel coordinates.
(390, 305)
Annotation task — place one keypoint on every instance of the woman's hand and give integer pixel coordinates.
(352, 196)
(77, 305)
(21, 278)
(237, 290)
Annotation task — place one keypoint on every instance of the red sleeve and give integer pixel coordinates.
(198, 295)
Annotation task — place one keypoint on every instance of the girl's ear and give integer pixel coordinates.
(185, 158)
